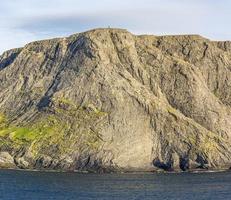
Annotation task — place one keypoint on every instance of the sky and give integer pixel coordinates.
(23, 21)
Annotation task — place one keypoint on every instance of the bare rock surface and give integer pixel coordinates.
(6, 160)
(107, 100)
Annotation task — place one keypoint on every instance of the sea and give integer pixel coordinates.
(35, 185)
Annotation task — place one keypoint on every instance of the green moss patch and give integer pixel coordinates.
(55, 134)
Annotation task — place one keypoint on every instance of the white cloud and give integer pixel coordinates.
(22, 21)
(13, 38)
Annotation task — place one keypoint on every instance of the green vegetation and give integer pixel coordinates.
(15, 133)
(2, 121)
(2, 118)
(172, 111)
(201, 140)
(62, 101)
(207, 143)
(69, 129)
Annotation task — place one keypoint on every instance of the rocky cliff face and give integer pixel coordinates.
(108, 100)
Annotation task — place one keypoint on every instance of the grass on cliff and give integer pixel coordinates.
(57, 133)
(22, 136)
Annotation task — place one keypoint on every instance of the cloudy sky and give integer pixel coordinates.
(23, 21)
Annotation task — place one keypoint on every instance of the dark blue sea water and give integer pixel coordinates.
(66, 186)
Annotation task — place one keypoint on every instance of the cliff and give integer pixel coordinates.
(108, 100)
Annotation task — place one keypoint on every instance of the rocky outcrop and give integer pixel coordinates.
(107, 100)
(6, 160)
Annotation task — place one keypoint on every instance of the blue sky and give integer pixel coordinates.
(23, 21)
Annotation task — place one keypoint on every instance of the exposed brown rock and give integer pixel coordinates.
(126, 102)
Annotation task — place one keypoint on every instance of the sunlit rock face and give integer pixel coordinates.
(107, 100)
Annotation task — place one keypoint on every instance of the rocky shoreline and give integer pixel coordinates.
(7, 162)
